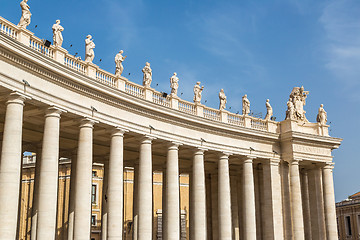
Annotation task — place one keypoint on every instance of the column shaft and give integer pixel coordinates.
(145, 203)
(82, 220)
(72, 197)
(104, 203)
(48, 184)
(172, 194)
(135, 202)
(10, 166)
(116, 186)
(35, 206)
(234, 208)
(306, 204)
(273, 224)
(249, 201)
(199, 197)
(224, 199)
(296, 203)
(214, 205)
(329, 200)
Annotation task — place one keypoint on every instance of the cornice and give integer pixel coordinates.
(87, 86)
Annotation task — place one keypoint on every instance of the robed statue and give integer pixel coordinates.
(174, 84)
(89, 49)
(222, 98)
(147, 76)
(197, 92)
(245, 105)
(25, 14)
(57, 35)
(322, 115)
(269, 110)
(119, 58)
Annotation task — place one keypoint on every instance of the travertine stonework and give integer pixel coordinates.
(249, 178)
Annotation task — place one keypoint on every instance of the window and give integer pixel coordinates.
(93, 194)
(348, 226)
(93, 220)
(94, 173)
(358, 223)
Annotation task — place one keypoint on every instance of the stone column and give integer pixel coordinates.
(295, 200)
(235, 208)
(135, 201)
(72, 196)
(116, 186)
(172, 193)
(329, 202)
(104, 203)
(82, 220)
(306, 204)
(214, 204)
(49, 168)
(10, 166)
(272, 211)
(199, 195)
(145, 198)
(224, 198)
(249, 200)
(35, 206)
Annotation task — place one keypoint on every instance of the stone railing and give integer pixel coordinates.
(38, 45)
(74, 63)
(91, 70)
(348, 202)
(188, 107)
(160, 99)
(212, 114)
(236, 119)
(106, 77)
(134, 89)
(8, 28)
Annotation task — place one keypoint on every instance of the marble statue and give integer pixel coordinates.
(197, 92)
(89, 49)
(322, 115)
(174, 84)
(119, 58)
(25, 14)
(290, 110)
(269, 110)
(223, 100)
(147, 77)
(245, 105)
(57, 36)
(298, 98)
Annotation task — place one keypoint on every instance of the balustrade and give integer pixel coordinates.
(134, 89)
(236, 119)
(212, 114)
(8, 28)
(38, 45)
(105, 77)
(74, 63)
(160, 99)
(187, 107)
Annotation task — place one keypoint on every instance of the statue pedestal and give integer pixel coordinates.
(59, 54)
(224, 116)
(247, 121)
(148, 92)
(91, 70)
(199, 109)
(120, 83)
(24, 36)
(174, 102)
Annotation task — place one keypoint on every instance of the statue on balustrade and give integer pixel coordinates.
(119, 58)
(57, 35)
(269, 110)
(322, 115)
(290, 112)
(89, 49)
(197, 92)
(25, 15)
(298, 98)
(223, 100)
(147, 77)
(174, 84)
(245, 105)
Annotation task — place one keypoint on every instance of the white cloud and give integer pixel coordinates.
(341, 21)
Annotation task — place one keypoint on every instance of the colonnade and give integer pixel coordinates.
(237, 211)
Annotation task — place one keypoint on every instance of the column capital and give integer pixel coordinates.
(173, 145)
(199, 151)
(224, 155)
(17, 98)
(87, 123)
(54, 111)
(118, 131)
(249, 159)
(147, 139)
(274, 162)
(329, 165)
(293, 161)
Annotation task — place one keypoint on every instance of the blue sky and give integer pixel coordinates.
(261, 48)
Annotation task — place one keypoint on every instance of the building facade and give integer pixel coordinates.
(248, 178)
(348, 217)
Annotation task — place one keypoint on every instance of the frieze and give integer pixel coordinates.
(311, 150)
